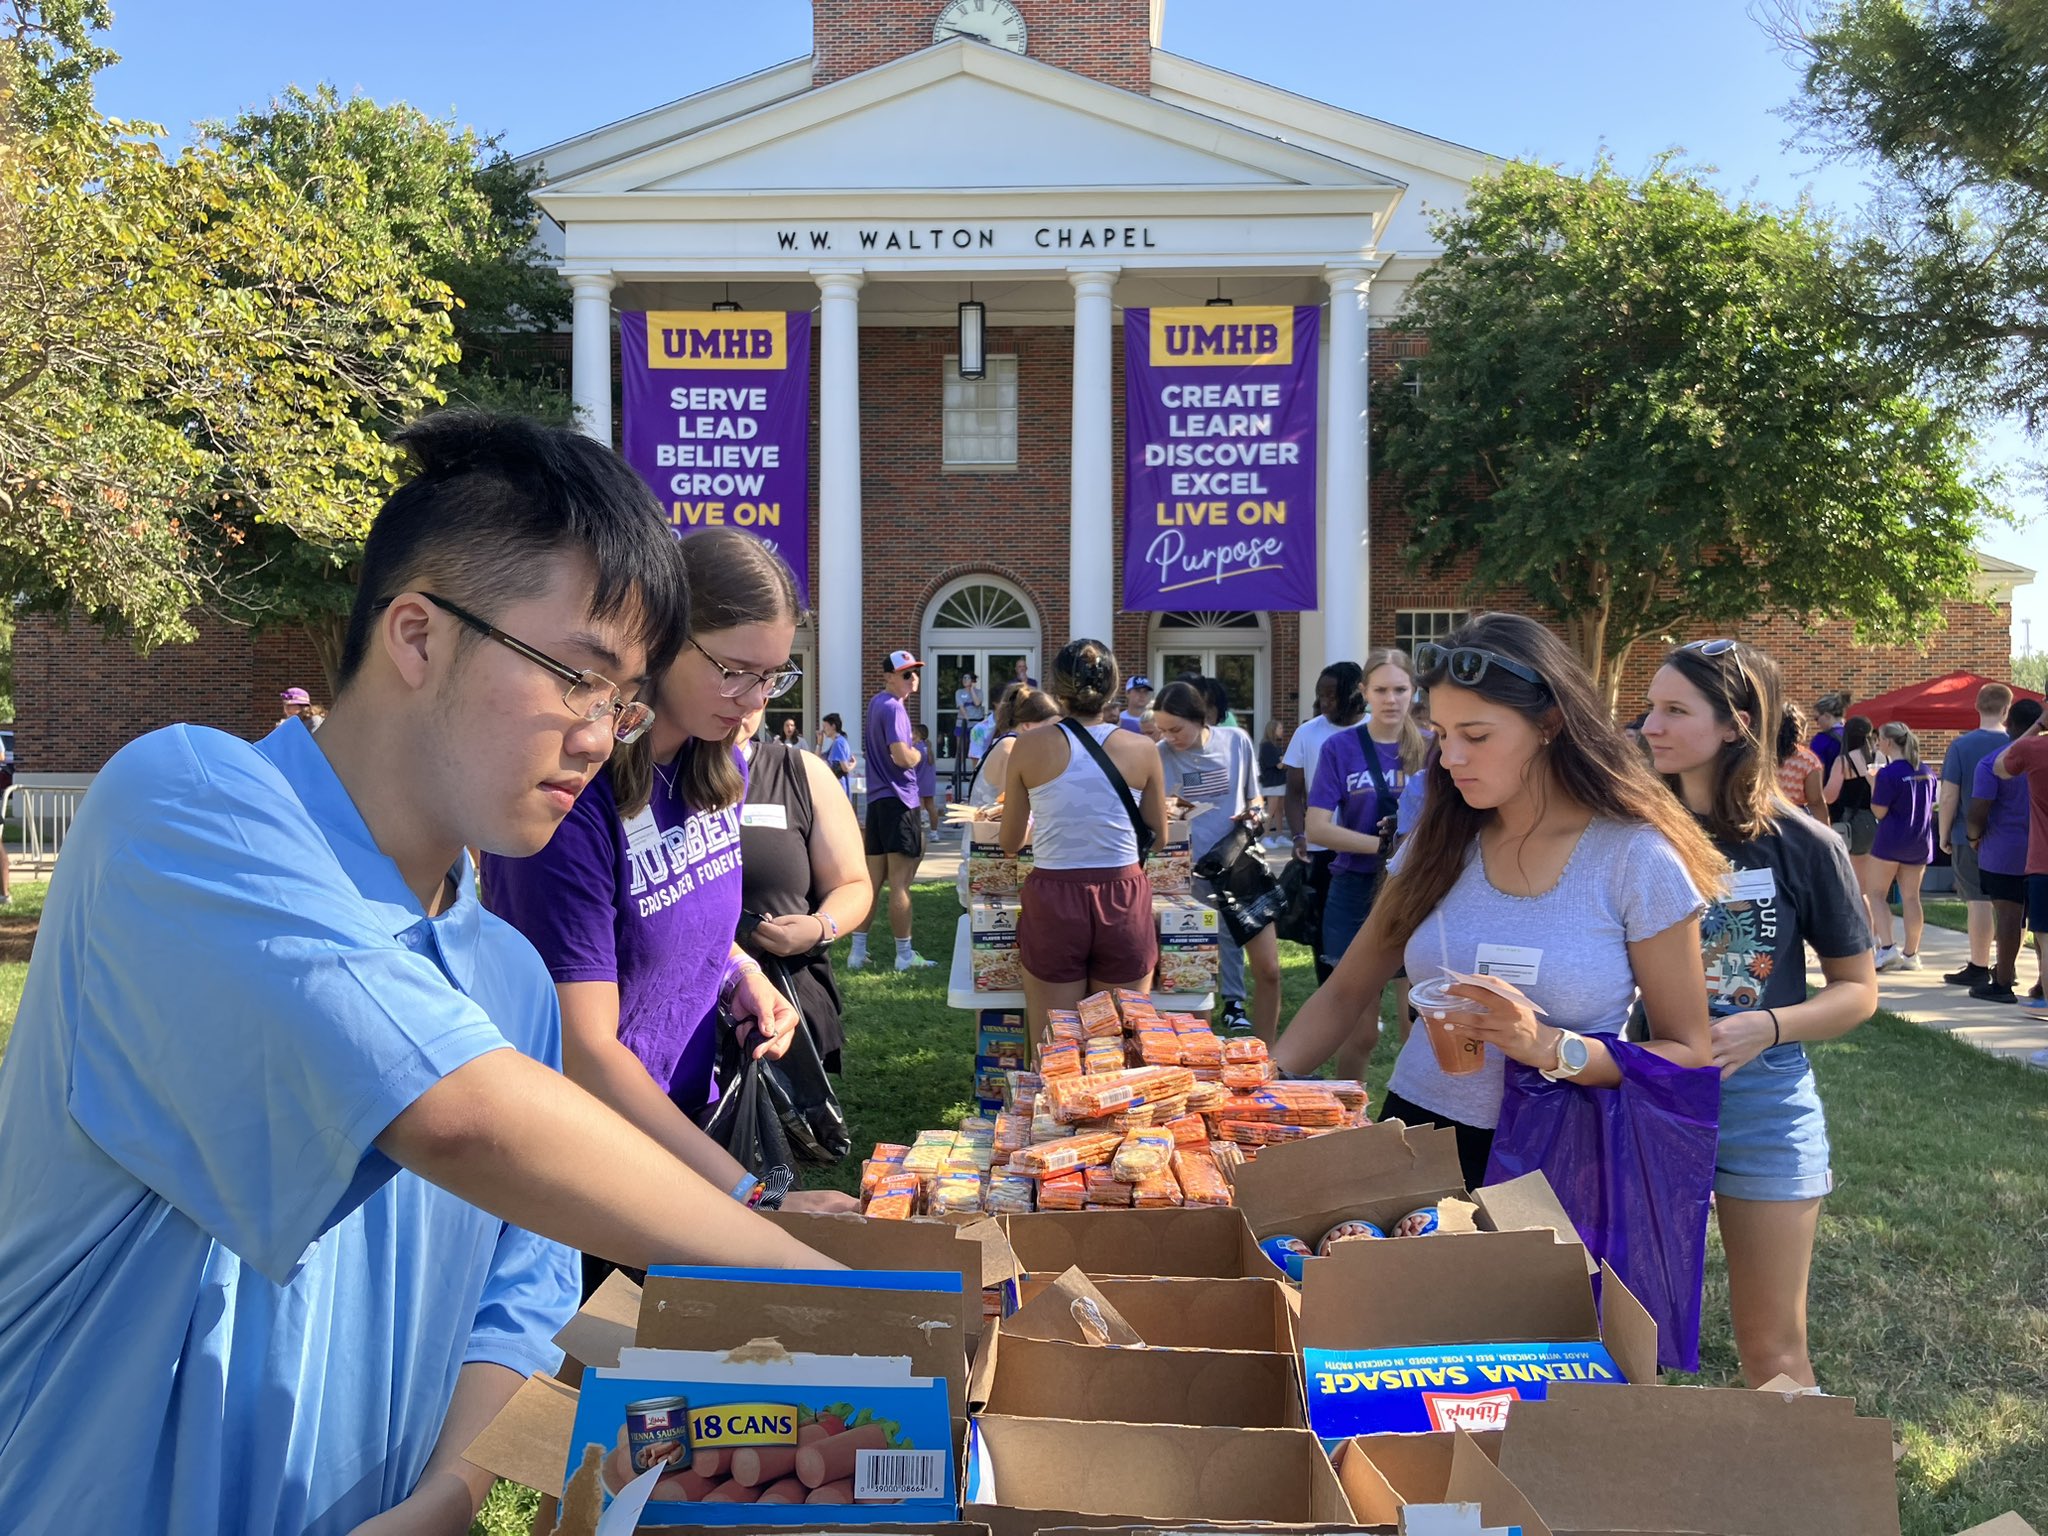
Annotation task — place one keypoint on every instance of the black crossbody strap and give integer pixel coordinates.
(1379, 774)
(1139, 829)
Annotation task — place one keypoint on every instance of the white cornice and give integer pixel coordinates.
(648, 149)
(599, 147)
(1997, 579)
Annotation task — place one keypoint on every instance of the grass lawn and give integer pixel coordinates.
(1930, 1289)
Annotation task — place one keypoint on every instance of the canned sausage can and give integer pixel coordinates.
(658, 1430)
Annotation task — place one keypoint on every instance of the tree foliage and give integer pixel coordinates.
(203, 356)
(1643, 406)
(1950, 99)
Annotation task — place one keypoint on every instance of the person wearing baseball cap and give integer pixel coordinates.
(895, 840)
(1137, 699)
(296, 702)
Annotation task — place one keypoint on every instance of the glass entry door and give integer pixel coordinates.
(946, 671)
(1237, 670)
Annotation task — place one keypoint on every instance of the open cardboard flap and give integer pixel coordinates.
(1209, 1242)
(1384, 1475)
(601, 1327)
(973, 1250)
(1074, 1310)
(1053, 1472)
(1470, 1287)
(678, 1313)
(2004, 1525)
(1700, 1461)
(1054, 1379)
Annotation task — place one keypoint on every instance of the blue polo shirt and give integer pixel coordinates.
(221, 1308)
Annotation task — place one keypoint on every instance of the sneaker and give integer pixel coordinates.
(1907, 963)
(2034, 990)
(1971, 975)
(2035, 1005)
(857, 960)
(1234, 1020)
(1887, 957)
(1992, 992)
(914, 962)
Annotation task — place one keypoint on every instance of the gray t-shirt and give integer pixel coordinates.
(1567, 949)
(1220, 777)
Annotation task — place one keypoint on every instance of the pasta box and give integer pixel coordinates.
(1188, 937)
(992, 937)
(990, 871)
(1171, 868)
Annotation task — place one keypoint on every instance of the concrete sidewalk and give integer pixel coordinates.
(2003, 1029)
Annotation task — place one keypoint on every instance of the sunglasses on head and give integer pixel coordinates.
(1465, 665)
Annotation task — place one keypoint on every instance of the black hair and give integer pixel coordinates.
(1083, 678)
(1214, 695)
(1183, 700)
(2024, 712)
(1348, 678)
(492, 498)
(834, 721)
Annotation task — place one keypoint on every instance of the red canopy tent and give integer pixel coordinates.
(1940, 704)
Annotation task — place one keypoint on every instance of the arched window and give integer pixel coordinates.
(979, 625)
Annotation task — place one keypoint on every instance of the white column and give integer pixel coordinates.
(590, 384)
(1346, 551)
(836, 584)
(1091, 532)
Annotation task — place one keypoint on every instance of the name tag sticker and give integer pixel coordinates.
(1510, 962)
(1752, 885)
(775, 816)
(641, 832)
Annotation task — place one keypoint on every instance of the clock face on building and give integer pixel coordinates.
(989, 21)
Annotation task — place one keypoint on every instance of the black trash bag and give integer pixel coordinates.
(795, 1092)
(1247, 894)
(1301, 917)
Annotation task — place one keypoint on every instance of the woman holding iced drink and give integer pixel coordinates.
(1546, 854)
(1711, 706)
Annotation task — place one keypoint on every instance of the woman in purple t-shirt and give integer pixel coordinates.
(1902, 800)
(1352, 810)
(635, 901)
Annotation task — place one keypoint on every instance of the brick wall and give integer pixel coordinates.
(1106, 40)
(80, 695)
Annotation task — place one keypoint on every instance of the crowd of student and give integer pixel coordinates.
(306, 1117)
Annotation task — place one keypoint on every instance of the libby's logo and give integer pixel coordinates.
(1256, 335)
(686, 338)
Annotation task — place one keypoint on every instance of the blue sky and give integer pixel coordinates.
(1553, 83)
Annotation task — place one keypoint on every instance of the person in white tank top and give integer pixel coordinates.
(1086, 922)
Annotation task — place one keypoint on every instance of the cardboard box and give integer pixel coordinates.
(2004, 1525)
(992, 944)
(990, 871)
(1379, 1173)
(1188, 937)
(1051, 1379)
(978, 1251)
(1701, 1461)
(1025, 1475)
(1171, 869)
(1256, 1315)
(1387, 1476)
(1201, 1242)
(1451, 1330)
(529, 1442)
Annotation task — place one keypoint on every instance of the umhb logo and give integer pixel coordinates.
(1258, 335)
(689, 338)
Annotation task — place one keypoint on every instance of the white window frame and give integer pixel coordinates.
(1440, 623)
(980, 398)
(980, 641)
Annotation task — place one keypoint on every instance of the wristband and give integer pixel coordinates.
(831, 928)
(747, 1191)
(1775, 1034)
(734, 970)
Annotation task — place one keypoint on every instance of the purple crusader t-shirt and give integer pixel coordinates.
(1343, 786)
(2004, 848)
(650, 903)
(1906, 795)
(888, 721)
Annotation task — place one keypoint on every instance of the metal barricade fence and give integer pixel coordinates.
(44, 805)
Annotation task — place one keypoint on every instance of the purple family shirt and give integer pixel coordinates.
(651, 903)
(1343, 786)
(889, 722)
(1906, 795)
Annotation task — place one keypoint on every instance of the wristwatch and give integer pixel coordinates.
(1572, 1055)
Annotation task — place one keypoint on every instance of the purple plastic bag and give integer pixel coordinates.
(1634, 1168)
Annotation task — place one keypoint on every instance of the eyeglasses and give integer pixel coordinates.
(1751, 695)
(589, 696)
(735, 685)
(1709, 647)
(1465, 665)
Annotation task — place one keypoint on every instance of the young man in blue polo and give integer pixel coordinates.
(287, 1166)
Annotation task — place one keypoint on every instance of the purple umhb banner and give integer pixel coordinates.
(1220, 458)
(718, 421)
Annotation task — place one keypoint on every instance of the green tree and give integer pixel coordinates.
(1949, 98)
(196, 356)
(1643, 406)
(455, 209)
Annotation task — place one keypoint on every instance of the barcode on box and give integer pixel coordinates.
(899, 1475)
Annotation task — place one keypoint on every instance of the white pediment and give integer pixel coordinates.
(962, 115)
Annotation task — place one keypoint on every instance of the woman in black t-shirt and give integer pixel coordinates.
(1714, 708)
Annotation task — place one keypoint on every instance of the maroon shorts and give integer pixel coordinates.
(1079, 923)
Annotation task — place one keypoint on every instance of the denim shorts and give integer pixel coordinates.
(1774, 1136)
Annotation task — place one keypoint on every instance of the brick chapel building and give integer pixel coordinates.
(1050, 160)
